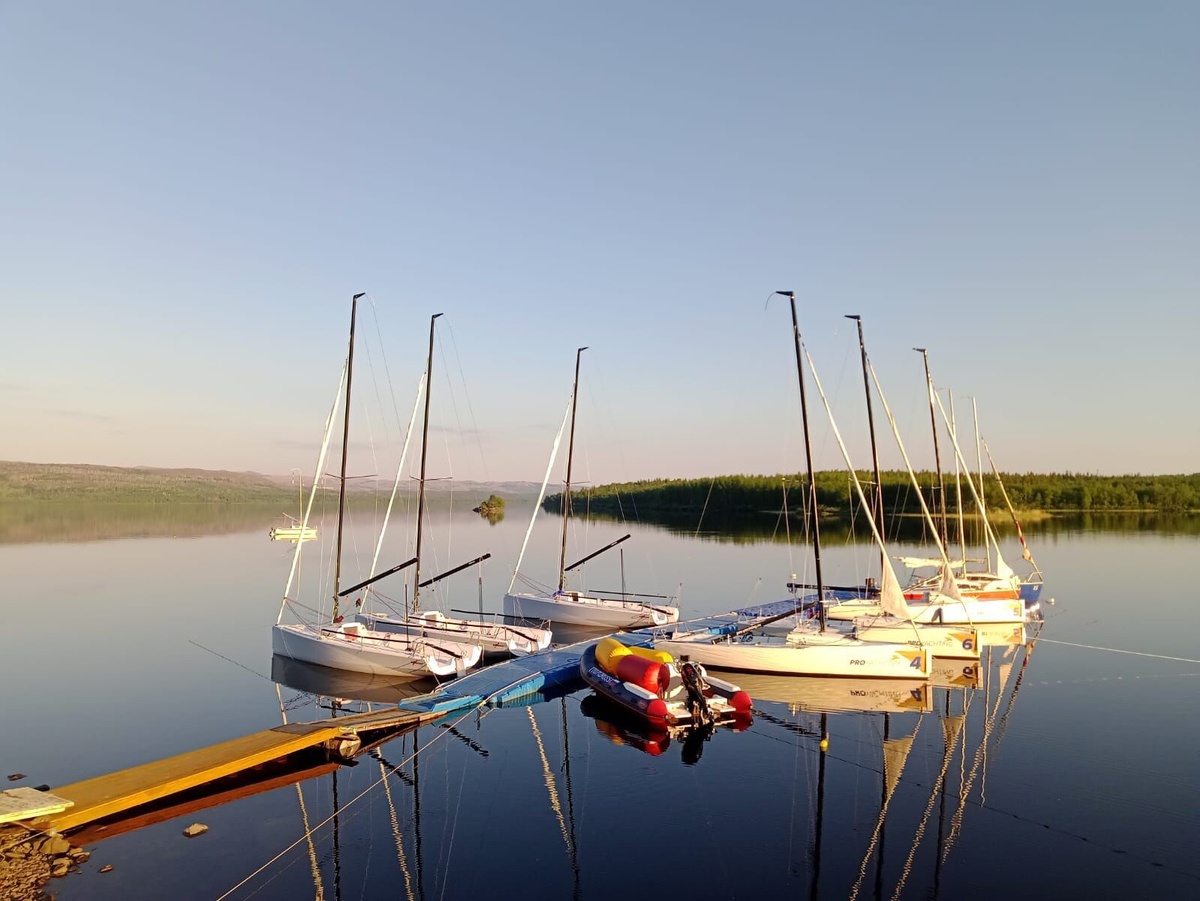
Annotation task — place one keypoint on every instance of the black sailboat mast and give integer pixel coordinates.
(337, 567)
(416, 604)
(937, 458)
(812, 485)
(877, 513)
(566, 503)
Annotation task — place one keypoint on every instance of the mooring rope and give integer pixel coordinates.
(1092, 647)
(329, 819)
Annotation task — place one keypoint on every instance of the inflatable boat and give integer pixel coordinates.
(663, 692)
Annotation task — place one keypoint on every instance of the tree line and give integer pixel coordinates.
(726, 496)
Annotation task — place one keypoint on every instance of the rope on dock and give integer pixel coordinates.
(1092, 647)
(366, 791)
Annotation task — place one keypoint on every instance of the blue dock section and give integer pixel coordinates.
(516, 682)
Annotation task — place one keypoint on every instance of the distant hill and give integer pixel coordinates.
(85, 482)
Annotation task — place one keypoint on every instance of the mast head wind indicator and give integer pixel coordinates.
(786, 293)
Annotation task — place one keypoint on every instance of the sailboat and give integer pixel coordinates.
(491, 637)
(947, 603)
(1031, 585)
(1000, 585)
(805, 650)
(352, 645)
(294, 531)
(898, 623)
(594, 610)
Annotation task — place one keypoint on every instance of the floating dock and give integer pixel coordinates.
(517, 682)
(522, 680)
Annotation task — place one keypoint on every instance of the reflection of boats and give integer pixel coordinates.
(340, 684)
(838, 695)
(623, 729)
(492, 637)
(659, 690)
(601, 611)
(351, 645)
(955, 734)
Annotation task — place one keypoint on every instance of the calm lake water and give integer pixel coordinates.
(1061, 770)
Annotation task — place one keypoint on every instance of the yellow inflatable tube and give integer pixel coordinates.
(609, 652)
(651, 654)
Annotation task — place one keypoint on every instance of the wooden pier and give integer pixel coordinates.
(104, 796)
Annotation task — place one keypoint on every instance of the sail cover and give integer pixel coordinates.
(891, 598)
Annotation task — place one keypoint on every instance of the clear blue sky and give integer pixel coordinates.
(192, 192)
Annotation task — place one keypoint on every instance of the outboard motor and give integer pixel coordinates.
(693, 682)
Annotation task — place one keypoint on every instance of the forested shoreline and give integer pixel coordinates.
(726, 496)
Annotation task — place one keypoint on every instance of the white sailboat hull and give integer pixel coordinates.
(969, 611)
(356, 649)
(807, 653)
(492, 638)
(959, 642)
(938, 610)
(583, 610)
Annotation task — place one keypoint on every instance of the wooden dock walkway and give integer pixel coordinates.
(103, 796)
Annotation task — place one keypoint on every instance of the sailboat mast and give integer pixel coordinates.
(987, 551)
(962, 529)
(812, 485)
(877, 513)
(416, 604)
(337, 567)
(937, 458)
(566, 502)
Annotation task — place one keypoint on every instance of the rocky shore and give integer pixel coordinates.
(28, 861)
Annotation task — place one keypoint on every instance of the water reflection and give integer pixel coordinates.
(626, 730)
(770, 527)
(564, 813)
(834, 695)
(56, 522)
(342, 685)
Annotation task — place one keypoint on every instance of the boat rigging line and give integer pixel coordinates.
(1092, 647)
(366, 791)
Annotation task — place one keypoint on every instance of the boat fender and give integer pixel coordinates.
(657, 709)
(648, 674)
(740, 701)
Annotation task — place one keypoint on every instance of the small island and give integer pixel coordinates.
(492, 509)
